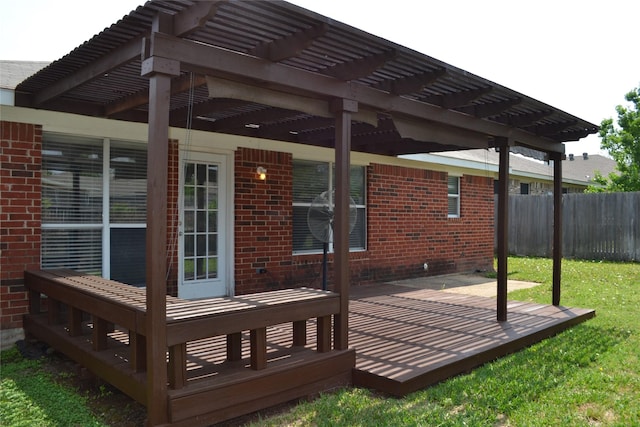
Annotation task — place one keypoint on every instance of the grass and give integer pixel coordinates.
(31, 396)
(586, 376)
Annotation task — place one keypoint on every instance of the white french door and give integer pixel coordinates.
(203, 270)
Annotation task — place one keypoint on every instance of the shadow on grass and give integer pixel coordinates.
(501, 387)
(482, 398)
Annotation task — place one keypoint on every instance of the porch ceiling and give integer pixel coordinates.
(276, 68)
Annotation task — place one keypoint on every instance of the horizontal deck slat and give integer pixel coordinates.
(408, 339)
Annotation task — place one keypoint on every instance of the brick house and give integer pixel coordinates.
(74, 160)
(454, 233)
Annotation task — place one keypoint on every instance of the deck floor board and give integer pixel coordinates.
(407, 338)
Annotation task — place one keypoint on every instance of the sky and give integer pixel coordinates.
(576, 55)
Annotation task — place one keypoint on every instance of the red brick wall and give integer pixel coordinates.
(20, 215)
(263, 220)
(406, 208)
(408, 224)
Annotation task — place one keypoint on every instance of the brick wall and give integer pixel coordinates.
(263, 220)
(20, 215)
(406, 209)
(408, 224)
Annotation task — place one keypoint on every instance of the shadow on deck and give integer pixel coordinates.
(407, 339)
(225, 361)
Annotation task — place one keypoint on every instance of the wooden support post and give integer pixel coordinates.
(75, 322)
(35, 306)
(323, 334)
(178, 366)
(99, 334)
(53, 311)
(160, 71)
(300, 333)
(234, 346)
(342, 109)
(258, 339)
(137, 352)
(503, 227)
(557, 226)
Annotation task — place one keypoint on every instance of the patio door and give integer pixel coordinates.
(202, 233)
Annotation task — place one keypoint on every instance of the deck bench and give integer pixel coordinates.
(110, 302)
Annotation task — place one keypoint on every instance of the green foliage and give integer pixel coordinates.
(29, 396)
(587, 375)
(623, 144)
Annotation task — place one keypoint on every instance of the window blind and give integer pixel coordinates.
(127, 183)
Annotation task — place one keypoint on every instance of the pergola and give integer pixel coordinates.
(272, 70)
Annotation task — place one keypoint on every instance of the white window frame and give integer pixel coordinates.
(105, 226)
(360, 208)
(453, 196)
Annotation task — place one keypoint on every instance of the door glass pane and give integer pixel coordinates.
(200, 229)
(201, 268)
(201, 174)
(213, 245)
(201, 223)
(213, 175)
(189, 221)
(188, 245)
(201, 201)
(213, 222)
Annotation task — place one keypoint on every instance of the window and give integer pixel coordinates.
(311, 178)
(94, 207)
(454, 197)
(524, 188)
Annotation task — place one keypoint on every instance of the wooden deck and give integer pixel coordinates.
(221, 361)
(407, 339)
(224, 366)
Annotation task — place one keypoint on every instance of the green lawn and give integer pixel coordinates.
(586, 376)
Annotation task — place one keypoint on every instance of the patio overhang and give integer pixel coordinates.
(272, 70)
(277, 47)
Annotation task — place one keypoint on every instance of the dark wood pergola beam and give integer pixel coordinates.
(269, 114)
(178, 85)
(182, 24)
(524, 119)
(456, 99)
(248, 69)
(196, 16)
(411, 84)
(361, 67)
(490, 109)
(94, 69)
(551, 129)
(291, 45)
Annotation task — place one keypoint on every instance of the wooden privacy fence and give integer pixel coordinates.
(603, 226)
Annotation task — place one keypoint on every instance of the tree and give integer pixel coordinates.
(623, 144)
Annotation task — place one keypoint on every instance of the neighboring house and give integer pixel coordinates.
(527, 175)
(12, 73)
